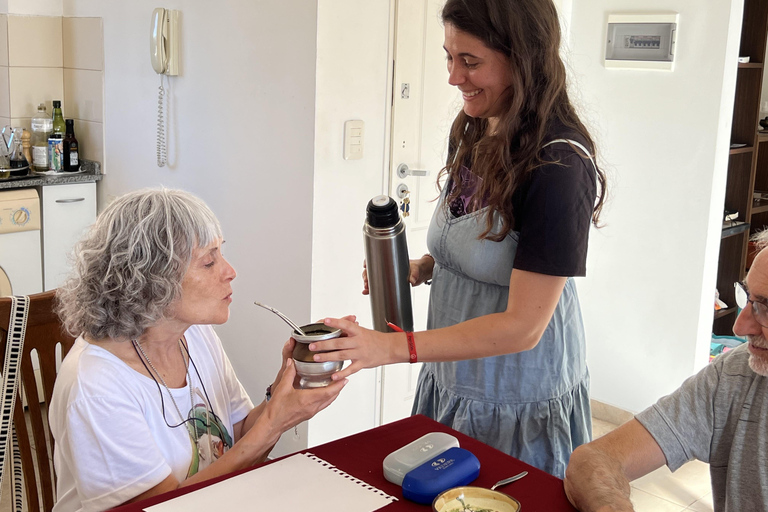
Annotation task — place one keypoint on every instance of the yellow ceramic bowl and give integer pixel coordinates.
(474, 499)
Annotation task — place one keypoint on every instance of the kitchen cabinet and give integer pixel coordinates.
(67, 211)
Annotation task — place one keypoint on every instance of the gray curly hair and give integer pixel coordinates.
(128, 268)
(760, 238)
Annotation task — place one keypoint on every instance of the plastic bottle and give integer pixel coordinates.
(386, 254)
(42, 126)
(71, 151)
(56, 139)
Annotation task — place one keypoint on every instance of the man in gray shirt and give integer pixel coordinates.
(719, 416)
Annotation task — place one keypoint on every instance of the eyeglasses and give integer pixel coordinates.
(759, 307)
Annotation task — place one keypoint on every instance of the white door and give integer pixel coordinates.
(423, 107)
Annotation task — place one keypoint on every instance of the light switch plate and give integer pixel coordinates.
(354, 135)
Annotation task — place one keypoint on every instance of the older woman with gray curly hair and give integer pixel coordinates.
(147, 401)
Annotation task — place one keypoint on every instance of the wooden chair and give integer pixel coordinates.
(43, 334)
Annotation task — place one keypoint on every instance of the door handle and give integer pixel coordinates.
(403, 171)
(73, 200)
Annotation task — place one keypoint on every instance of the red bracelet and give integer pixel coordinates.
(411, 347)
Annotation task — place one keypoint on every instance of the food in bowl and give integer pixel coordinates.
(474, 499)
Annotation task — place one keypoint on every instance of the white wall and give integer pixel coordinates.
(241, 137)
(663, 136)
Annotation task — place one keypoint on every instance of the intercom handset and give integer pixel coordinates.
(164, 42)
(164, 55)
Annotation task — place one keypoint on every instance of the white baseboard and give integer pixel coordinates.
(609, 413)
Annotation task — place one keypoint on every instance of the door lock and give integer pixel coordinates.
(403, 171)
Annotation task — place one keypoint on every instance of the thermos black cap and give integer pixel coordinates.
(382, 212)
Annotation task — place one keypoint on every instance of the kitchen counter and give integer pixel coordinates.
(90, 171)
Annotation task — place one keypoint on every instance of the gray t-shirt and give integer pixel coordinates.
(719, 416)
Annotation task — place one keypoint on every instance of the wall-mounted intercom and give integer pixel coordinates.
(164, 56)
(641, 41)
(164, 42)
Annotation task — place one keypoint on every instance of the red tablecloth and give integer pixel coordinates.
(361, 455)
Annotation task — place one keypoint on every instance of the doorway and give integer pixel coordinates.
(422, 110)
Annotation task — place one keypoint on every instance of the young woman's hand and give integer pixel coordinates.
(363, 347)
(419, 273)
(421, 270)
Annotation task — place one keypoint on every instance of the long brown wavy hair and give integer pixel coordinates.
(527, 32)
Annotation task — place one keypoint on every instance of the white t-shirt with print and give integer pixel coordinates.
(112, 442)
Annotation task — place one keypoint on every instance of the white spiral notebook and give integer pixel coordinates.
(299, 482)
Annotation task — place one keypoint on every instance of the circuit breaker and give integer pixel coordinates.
(641, 41)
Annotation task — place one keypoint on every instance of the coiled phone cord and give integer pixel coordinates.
(162, 155)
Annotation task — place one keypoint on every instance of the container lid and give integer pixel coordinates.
(382, 212)
(56, 103)
(398, 463)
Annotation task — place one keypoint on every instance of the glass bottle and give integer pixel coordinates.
(58, 118)
(19, 164)
(56, 139)
(42, 126)
(71, 152)
(5, 163)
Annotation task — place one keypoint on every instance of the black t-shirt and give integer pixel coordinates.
(553, 210)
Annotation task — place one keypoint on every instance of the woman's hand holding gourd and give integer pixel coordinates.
(290, 405)
(363, 347)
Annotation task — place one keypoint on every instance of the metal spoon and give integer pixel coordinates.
(509, 480)
(285, 318)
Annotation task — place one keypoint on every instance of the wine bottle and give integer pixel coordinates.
(70, 150)
(55, 140)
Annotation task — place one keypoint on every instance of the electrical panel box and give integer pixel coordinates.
(641, 41)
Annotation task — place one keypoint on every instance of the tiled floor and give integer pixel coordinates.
(688, 488)
(661, 491)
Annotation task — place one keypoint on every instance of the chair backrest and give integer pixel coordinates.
(44, 332)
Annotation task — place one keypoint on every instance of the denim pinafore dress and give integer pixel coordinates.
(533, 405)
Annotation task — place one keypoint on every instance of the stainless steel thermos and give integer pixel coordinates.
(386, 254)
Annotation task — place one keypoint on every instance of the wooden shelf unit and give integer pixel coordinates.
(747, 167)
(745, 149)
(725, 312)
